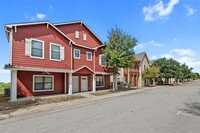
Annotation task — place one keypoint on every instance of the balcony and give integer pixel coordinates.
(134, 70)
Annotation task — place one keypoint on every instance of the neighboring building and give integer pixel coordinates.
(144, 63)
(133, 76)
(48, 58)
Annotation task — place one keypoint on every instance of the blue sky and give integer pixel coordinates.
(165, 28)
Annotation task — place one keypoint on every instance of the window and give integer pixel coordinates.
(55, 52)
(100, 81)
(102, 60)
(76, 34)
(76, 53)
(37, 48)
(84, 37)
(89, 56)
(43, 82)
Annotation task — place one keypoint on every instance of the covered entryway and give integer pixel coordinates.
(84, 83)
(75, 84)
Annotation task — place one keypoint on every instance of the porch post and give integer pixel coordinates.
(13, 89)
(140, 76)
(65, 86)
(93, 83)
(70, 84)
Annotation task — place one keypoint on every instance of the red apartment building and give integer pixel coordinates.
(47, 59)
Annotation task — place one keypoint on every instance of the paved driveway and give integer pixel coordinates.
(174, 109)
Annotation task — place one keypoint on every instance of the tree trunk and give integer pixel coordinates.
(115, 82)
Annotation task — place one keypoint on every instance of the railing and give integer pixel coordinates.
(135, 70)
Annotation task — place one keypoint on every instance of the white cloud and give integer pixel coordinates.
(191, 62)
(190, 10)
(184, 56)
(4, 75)
(159, 10)
(168, 56)
(2, 71)
(154, 57)
(150, 43)
(139, 46)
(183, 52)
(175, 39)
(38, 16)
(155, 43)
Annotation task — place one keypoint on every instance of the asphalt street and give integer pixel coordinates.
(168, 109)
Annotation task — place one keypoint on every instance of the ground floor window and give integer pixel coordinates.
(43, 82)
(100, 80)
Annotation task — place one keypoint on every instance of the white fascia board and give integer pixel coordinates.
(82, 68)
(39, 69)
(103, 73)
(44, 22)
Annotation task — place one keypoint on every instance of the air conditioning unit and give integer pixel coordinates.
(7, 92)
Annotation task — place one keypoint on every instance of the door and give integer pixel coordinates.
(74, 83)
(84, 83)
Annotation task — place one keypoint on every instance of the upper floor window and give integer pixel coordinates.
(56, 52)
(76, 53)
(34, 48)
(43, 82)
(102, 60)
(89, 56)
(77, 34)
(84, 37)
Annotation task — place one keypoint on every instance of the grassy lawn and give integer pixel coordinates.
(5, 105)
(100, 93)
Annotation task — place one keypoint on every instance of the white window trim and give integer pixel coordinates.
(77, 34)
(79, 54)
(42, 49)
(103, 82)
(52, 76)
(84, 37)
(50, 51)
(87, 56)
(100, 60)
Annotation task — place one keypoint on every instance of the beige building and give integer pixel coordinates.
(133, 76)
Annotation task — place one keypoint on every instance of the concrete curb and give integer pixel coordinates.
(89, 98)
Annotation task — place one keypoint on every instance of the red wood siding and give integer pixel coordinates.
(40, 32)
(107, 83)
(70, 29)
(77, 63)
(25, 84)
(100, 68)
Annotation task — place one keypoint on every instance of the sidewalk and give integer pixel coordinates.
(88, 98)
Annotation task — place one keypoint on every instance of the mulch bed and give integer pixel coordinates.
(5, 105)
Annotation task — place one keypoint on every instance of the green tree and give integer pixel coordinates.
(151, 73)
(119, 51)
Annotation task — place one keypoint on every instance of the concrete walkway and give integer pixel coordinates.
(51, 106)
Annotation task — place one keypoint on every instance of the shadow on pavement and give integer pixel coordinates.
(191, 108)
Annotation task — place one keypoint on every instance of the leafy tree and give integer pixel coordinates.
(119, 51)
(3, 86)
(151, 72)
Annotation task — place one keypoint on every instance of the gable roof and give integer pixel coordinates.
(141, 56)
(82, 23)
(35, 23)
(82, 67)
(9, 26)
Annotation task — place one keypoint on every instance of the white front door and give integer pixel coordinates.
(84, 83)
(74, 83)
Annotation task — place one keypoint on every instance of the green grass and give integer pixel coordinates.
(1, 92)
